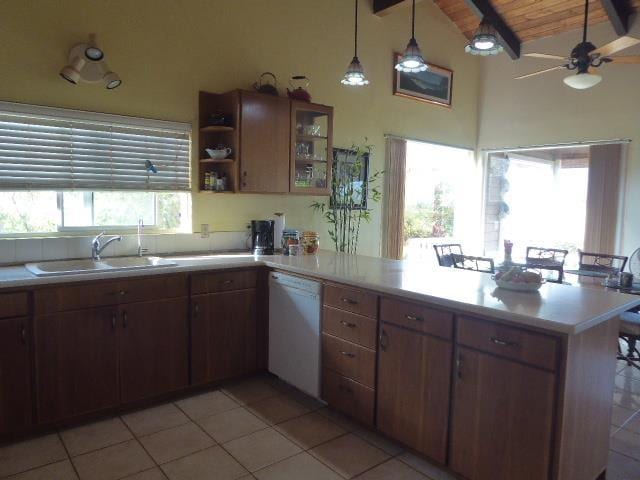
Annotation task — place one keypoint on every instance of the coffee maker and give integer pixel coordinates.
(262, 237)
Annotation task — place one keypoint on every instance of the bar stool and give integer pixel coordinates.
(630, 333)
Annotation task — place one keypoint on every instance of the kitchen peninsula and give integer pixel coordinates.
(492, 384)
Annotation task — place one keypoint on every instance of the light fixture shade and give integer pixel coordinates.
(411, 60)
(355, 74)
(582, 81)
(485, 41)
(111, 80)
(71, 72)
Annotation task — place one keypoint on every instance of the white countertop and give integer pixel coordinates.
(557, 308)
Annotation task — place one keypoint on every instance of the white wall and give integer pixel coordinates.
(543, 110)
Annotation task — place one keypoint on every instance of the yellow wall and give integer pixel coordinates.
(167, 50)
(543, 110)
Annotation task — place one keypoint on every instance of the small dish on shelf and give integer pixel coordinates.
(218, 153)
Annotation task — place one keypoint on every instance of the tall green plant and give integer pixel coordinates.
(343, 212)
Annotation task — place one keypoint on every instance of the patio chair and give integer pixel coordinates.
(478, 264)
(630, 334)
(550, 260)
(446, 253)
(602, 263)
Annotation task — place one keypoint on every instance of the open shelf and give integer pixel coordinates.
(216, 128)
(213, 160)
(218, 192)
(310, 138)
(299, 160)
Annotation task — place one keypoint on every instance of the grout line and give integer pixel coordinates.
(73, 465)
(137, 440)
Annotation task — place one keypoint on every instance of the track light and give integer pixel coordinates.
(87, 64)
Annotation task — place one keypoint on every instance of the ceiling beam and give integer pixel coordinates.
(507, 37)
(386, 7)
(618, 12)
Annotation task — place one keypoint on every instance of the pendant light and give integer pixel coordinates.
(355, 72)
(485, 41)
(411, 60)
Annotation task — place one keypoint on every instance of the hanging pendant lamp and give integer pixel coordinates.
(411, 60)
(355, 72)
(485, 41)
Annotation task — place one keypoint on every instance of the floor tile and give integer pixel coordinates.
(633, 424)
(310, 430)
(211, 464)
(622, 467)
(628, 384)
(153, 474)
(383, 443)
(251, 391)
(113, 462)
(54, 471)
(626, 399)
(349, 455)
(423, 466)
(233, 424)
(392, 470)
(206, 404)
(627, 371)
(627, 443)
(336, 417)
(301, 466)
(277, 409)
(93, 436)
(621, 415)
(261, 449)
(176, 442)
(22, 456)
(152, 420)
(304, 399)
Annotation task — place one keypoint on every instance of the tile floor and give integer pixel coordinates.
(259, 429)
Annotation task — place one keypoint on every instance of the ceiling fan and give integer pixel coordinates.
(586, 58)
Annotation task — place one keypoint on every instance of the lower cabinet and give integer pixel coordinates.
(503, 413)
(153, 348)
(76, 362)
(223, 335)
(15, 375)
(414, 372)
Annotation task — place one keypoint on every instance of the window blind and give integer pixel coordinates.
(43, 148)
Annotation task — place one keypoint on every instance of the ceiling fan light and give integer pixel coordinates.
(355, 74)
(411, 60)
(582, 81)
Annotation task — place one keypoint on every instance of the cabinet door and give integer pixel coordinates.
(264, 143)
(223, 335)
(414, 372)
(76, 362)
(154, 348)
(15, 376)
(502, 419)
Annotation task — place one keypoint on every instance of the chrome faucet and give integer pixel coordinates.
(97, 247)
(140, 249)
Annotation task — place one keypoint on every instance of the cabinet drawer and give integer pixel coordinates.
(528, 347)
(349, 326)
(417, 317)
(223, 281)
(14, 305)
(348, 397)
(351, 300)
(73, 297)
(349, 359)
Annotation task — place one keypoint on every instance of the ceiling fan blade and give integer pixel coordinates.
(616, 46)
(545, 55)
(628, 59)
(559, 67)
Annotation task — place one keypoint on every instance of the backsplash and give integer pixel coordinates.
(25, 250)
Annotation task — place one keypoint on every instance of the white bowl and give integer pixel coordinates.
(518, 286)
(218, 154)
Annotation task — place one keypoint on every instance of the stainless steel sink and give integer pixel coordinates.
(74, 267)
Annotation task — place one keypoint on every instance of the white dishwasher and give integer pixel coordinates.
(294, 331)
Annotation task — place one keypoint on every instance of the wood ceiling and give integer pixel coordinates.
(530, 19)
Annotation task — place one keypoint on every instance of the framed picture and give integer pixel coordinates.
(350, 175)
(434, 85)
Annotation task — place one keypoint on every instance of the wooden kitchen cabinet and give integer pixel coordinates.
(15, 374)
(264, 143)
(414, 372)
(153, 348)
(503, 417)
(224, 329)
(76, 362)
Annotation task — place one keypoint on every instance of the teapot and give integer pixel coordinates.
(270, 87)
(299, 84)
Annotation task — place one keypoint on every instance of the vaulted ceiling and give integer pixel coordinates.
(526, 20)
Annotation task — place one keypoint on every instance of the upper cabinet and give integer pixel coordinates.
(266, 144)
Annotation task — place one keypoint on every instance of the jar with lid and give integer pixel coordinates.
(310, 242)
(289, 237)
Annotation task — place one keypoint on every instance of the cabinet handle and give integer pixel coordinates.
(348, 324)
(196, 309)
(227, 282)
(344, 389)
(350, 301)
(113, 321)
(459, 365)
(384, 340)
(125, 319)
(503, 343)
(122, 293)
(348, 354)
(413, 318)
(23, 334)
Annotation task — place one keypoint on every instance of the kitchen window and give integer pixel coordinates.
(64, 170)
